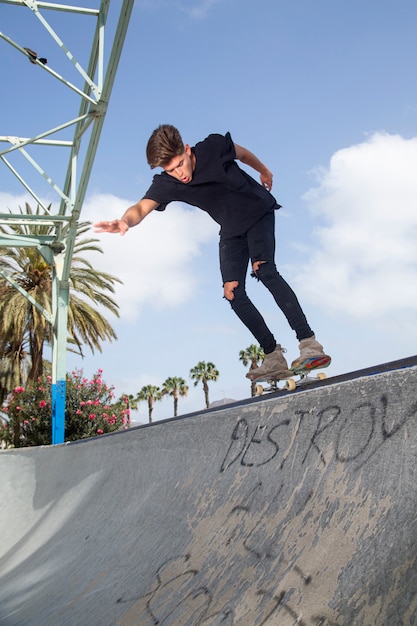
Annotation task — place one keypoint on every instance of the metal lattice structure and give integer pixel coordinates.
(96, 81)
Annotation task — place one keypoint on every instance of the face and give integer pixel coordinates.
(182, 166)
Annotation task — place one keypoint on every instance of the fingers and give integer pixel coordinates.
(102, 227)
(266, 180)
(115, 226)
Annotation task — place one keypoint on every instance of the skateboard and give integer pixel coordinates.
(290, 383)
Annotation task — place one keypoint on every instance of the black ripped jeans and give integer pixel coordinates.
(258, 244)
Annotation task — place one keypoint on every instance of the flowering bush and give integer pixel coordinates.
(90, 410)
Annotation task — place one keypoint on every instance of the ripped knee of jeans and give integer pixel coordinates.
(255, 268)
(267, 273)
(229, 289)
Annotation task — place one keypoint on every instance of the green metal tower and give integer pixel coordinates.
(92, 89)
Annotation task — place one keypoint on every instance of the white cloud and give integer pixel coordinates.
(12, 202)
(156, 259)
(365, 261)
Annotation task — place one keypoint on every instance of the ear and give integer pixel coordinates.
(187, 149)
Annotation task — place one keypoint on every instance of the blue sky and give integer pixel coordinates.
(324, 93)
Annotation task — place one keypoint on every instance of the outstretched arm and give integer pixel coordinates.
(247, 157)
(131, 217)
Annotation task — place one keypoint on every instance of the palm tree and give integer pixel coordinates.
(130, 400)
(20, 321)
(204, 372)
(23, 328)
(175, 387)
(253, 355)
(128, 403)
(14, 366)
(150, 394)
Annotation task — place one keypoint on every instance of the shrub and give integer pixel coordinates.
(90, 411)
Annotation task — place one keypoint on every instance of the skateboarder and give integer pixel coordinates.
(207, 176)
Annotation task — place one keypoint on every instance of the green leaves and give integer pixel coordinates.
(90, 411)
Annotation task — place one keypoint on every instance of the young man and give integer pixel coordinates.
(207, 176)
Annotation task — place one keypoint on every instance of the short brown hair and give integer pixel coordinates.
(164, 144)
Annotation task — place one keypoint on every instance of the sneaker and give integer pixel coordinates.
(274, 364)
(310, 350)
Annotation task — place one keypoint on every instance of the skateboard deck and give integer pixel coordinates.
(291, 383)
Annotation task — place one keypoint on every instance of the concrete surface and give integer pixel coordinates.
(295, 509)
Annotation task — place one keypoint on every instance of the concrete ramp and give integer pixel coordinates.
(298, 508)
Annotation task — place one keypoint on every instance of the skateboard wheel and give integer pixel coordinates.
(259, 390)
(321, 376)
(290, 384)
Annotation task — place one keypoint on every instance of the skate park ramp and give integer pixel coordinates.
(291, 508)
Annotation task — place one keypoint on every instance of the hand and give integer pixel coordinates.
(266, 179)
(115, 226)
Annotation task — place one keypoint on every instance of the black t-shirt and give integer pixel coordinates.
(218, 186)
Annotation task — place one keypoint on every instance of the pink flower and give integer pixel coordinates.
(91, 416)
(78, 412)
(18, 389)
(99, 431)
(42, 403)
